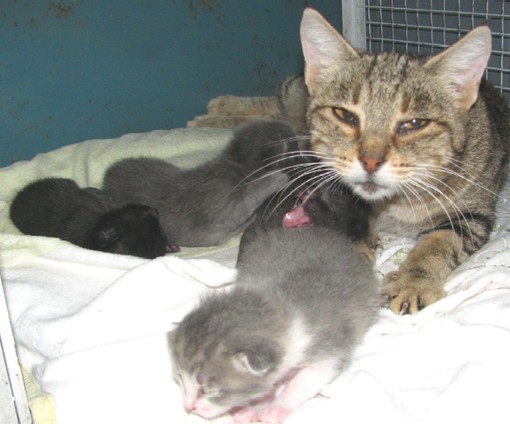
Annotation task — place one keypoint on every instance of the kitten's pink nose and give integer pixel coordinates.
(371, 164)
(190, 402)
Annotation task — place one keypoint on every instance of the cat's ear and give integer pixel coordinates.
(463, 64)
(322, 46)
(257, 360)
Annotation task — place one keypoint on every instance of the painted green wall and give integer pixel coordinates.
(81, 69)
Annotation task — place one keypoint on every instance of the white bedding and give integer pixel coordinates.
(91, 326)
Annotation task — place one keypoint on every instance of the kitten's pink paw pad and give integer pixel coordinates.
(246, 415)
(273, 414)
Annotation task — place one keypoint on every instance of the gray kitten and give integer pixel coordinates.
(302, 302)
(211, 203)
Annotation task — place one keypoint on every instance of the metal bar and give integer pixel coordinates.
(353, 22)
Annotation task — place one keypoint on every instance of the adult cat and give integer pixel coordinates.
(423, 139)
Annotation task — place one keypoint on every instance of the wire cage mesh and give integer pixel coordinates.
(429, 26)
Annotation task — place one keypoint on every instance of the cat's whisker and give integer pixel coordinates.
(416, 193)
(285, 140)
(309, 168)
(301, 187)
(302, 170)
(317, 171)
(408, 187)
(429, 189)
(282, 157)
(470, 180)
(330, 177)
(461, 217)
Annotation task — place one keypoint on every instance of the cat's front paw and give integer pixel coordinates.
(405, 293)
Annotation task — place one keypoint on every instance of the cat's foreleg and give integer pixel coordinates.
(305, 385)
(420, 279)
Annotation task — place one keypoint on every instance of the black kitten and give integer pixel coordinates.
(58, 207)
(132, 230)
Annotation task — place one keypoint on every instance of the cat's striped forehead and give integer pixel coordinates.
(383, 82)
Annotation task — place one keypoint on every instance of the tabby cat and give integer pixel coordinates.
(424, 140)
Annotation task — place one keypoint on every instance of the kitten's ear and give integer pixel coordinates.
(257, 360)
(322, 46)
(463, 64)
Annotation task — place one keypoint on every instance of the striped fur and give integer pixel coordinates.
(424, 139)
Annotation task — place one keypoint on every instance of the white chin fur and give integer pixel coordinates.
(372, 192)
(371, 187)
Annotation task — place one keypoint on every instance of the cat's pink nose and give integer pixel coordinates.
(371, 164)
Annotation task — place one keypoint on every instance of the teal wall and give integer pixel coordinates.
(81, 69)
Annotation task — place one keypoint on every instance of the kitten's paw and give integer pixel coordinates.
(172, 248)
(407, 294)
(368, 245)
(246, 415)
(273, 414)
(270, 414)
(362, 247)
(373, 241)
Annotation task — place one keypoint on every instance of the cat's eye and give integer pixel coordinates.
(345, 116)
(412, 125)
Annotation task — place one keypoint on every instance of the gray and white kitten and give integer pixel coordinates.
(209, 204)
(303, 300)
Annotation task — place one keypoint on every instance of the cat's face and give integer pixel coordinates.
(216, 379)
(390, 124)
(382, 131)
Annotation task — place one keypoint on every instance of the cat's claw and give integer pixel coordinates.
(404, 309)
(405, 294)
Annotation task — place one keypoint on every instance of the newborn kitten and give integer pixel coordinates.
(211, 203)
(58, 207)
(131, 230)
(335, 208)
(303, 300)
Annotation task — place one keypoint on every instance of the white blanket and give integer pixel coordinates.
(91, 326)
